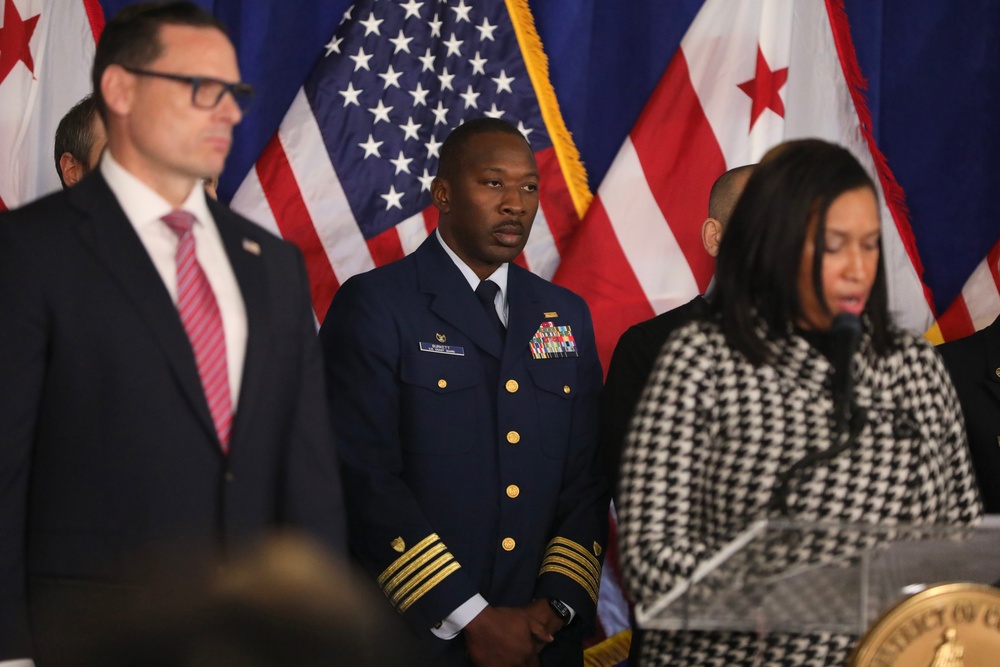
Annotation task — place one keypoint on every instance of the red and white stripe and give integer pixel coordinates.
(977, 305)
(32, 103)
(294, 192)
(639, 250)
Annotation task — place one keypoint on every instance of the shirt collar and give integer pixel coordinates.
(499, 276)
(144, 206)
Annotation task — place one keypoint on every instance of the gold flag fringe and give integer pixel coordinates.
(610, 652)
(538, 69)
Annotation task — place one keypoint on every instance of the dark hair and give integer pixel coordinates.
(75, 134)
(759, 257)
(451, 149)
(132, 37)
(724, 194)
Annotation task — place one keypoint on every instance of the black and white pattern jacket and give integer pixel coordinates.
(712, 434)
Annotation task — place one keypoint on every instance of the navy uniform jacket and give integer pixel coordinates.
(468, 465)
(106, 443)
(974, 365)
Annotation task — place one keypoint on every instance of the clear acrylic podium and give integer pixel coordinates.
(782, 576)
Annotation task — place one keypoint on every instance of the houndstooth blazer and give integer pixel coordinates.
(712, 434)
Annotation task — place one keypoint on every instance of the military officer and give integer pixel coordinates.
(464, 393)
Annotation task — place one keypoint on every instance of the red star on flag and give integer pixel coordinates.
(15, 35)
(763, 89)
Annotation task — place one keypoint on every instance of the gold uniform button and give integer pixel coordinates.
(566, 389)
(442, 383)
(511, 386)
(513, 491)
(508, 544)
(998, 372)
(513, 437)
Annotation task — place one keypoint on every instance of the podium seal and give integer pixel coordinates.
(951, 625)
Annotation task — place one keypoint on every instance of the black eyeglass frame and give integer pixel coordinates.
(241, 92)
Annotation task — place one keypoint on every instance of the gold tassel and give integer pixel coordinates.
(610, 652)
(538, 69)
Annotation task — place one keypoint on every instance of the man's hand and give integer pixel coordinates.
(505, 637)
(548, 619)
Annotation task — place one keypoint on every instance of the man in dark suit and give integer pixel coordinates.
(468, 425)
(160, 381)
(974, 365)
(637, 349)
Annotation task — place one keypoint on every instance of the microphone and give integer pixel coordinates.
(846, 333)
(848, 419)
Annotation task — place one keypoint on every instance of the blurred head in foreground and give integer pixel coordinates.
(282, 602)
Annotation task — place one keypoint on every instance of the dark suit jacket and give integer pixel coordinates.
(633, 360)
(974, 365)
(469, 464)
(108, 447)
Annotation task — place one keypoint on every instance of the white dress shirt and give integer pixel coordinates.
(499, 277)
(144, 207)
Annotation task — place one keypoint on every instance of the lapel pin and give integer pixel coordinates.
(251, 247)
(441, 338)
(550, 313)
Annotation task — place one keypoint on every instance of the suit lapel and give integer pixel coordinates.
(992, 341)
(451, 297)
(111, 237)
(248, 267)
(524, 314)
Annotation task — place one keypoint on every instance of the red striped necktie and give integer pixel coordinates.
(200, 315)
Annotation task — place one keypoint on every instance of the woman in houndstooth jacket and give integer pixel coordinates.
(737, 399)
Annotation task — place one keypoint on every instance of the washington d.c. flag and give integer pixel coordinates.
(747, 76)
(46, 52)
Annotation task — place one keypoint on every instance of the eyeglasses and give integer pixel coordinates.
(206, 92)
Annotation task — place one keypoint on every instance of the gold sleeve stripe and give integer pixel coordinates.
(406, 557)
(575, 577)
(595, 582)
(562, 541)
(431, 583)
(417, 563)
(428, 572)
(574, 556)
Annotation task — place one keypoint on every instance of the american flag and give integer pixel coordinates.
(347, 177)
(976, 306)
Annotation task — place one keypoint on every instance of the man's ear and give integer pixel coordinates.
(117, 89)
(72, 170)
(711, 236)
(440, 192)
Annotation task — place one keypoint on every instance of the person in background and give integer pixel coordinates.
(974, 365)
(80, 138)
(464, 394)
(160, 376)
(639, 346)
(740, 399)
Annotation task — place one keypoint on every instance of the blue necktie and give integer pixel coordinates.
(487, 293)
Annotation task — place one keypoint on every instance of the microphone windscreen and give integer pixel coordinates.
(846, 325)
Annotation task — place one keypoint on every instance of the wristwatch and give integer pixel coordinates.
(561, 610)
